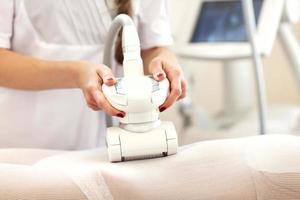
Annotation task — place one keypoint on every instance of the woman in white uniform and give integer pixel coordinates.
(50, 68)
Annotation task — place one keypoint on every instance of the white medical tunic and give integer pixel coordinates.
(64, 30)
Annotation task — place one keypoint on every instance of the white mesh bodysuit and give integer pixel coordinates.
(261, 167)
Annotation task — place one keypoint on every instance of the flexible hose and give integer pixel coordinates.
(120, 21)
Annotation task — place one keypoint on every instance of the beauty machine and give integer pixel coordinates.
(140, 133)
(238, 33)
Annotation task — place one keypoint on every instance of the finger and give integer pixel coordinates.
(90, 102)
(156, 68)
(105, 105)
(106, 75)
(184, 89)
(175, 92)
(95, 108)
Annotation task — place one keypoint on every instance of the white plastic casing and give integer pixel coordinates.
(125, 145)
(139, 97)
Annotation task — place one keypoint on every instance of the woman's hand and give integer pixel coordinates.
(90, 79)
(160, 70)
(162, 63)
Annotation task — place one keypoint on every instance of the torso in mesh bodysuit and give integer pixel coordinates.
(261, 167)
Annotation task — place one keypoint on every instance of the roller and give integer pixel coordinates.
(140, 134)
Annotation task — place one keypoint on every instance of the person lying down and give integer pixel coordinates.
(259, 167)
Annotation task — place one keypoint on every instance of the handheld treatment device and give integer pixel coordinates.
(140, 134)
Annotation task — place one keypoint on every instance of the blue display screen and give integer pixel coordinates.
(222, 22)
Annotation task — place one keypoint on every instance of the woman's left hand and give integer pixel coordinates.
(162, 68)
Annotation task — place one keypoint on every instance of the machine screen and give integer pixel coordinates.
(222, 22)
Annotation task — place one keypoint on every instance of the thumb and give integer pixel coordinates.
(106, 75)
(156, 68)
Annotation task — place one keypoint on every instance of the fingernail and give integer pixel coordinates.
(162, 109)
(110, 79)
(121, 115)
(160, 75)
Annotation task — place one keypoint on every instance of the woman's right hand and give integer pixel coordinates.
(90, 80)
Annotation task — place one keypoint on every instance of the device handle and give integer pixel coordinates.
(132, 62)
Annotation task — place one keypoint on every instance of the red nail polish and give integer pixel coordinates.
(121, 115)
(160, 74)
(110, 79)
(162, 109)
